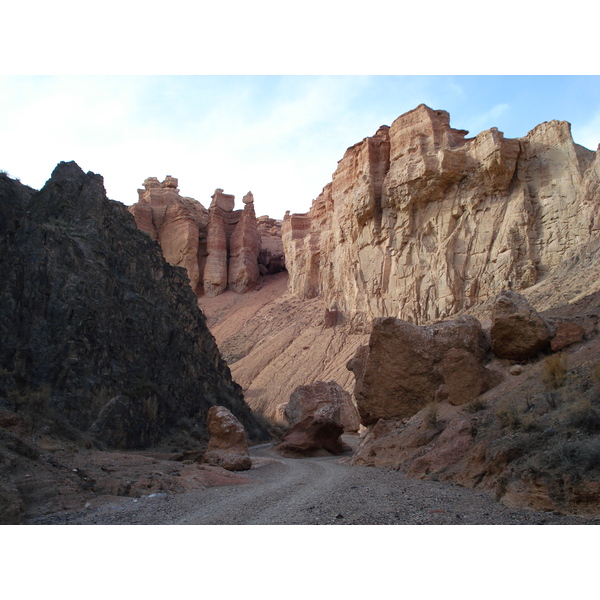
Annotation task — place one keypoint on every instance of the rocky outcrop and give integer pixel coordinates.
(518, 332)
(244, 248)
(405, 366)
(220, 248)
(177, 223)
(227, 447)
(421, 222)
(271, 258)
(320, 398)
(101, 337)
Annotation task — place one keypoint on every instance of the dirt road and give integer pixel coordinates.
(316, 491)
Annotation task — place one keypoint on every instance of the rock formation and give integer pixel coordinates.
(244, 248)
(421, 222)
(227, 446)
(101, 336)
(271, 259)
(177, 223)
(405, 366)
(221, 248)
(322, 398)
(518, 332)
(311, 436)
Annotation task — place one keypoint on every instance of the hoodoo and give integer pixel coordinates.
(221, 248)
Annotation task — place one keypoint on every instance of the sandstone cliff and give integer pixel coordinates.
(221, 248)
(97, 330)
(421, 222)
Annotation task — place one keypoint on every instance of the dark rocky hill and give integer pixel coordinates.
(101, 339)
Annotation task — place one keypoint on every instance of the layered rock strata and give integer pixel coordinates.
(100, 335)
(177, 223)
(421, 222)
(220, 247)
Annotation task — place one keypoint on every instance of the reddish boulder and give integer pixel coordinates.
(227, 447)
(401, 372)
(309, 400)
(465, 377)
(311, 436)
(518, 332)
(566, 335)
(452, 444)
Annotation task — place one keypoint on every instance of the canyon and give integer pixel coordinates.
(443, 289)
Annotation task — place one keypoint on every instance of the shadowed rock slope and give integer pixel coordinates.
(102, 333)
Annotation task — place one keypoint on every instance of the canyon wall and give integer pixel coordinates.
(220, 248)
(420, 222)
(96, 327)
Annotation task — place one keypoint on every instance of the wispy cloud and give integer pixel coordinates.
(588, 134)
(490, 118)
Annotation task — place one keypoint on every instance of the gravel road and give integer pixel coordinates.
(316, 491)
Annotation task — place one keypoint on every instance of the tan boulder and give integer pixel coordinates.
(518, 332)
(323, 398)
(227, 447)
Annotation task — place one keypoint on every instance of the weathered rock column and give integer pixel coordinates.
(215, 270)
(244, 250)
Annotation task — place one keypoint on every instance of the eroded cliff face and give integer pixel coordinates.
(420, 222)
(220, 248)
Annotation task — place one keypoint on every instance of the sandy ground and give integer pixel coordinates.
(315, 491)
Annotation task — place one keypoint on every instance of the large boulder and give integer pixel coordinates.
(308, 400)
(518, 332)
(403, 368)
(311, 436)
(227, 446)
(465, 378)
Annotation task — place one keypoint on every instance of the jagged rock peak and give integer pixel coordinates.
(91, 313)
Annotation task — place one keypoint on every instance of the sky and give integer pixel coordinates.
(277, 136)
(266, 96)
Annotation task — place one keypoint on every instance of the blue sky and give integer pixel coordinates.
(277, 136)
